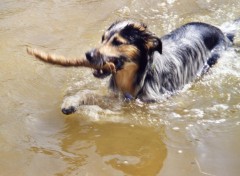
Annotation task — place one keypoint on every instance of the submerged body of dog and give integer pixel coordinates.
(148, 67)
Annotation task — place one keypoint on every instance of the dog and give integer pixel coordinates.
(148, 67)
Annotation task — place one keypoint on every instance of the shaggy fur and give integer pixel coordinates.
(148, 67)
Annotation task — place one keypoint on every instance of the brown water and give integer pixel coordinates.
(194, 133)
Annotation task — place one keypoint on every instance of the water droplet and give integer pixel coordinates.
(180, 151)
(176, 128)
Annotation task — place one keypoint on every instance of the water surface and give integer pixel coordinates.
(193, 133)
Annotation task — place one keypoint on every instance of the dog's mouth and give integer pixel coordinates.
(107, 67)
(101, 73)
(104, 65)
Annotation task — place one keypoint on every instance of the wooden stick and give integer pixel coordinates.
(68, 62)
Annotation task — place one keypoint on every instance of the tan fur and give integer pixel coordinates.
(129, 51)
(108, 49)
(67, 62)
(120, 38)
(140, 26)
(125, 77)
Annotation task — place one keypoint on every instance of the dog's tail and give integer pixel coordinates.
(231, 28)
(68, 62)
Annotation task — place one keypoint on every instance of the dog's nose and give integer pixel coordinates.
(90, 55)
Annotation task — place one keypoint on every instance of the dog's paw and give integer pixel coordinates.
(72, 103)
(68, 110)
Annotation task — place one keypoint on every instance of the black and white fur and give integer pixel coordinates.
(167, 63)
(187, 53)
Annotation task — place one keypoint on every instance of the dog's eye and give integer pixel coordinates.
(116, 42)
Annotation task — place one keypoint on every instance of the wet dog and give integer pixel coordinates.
(148, 67)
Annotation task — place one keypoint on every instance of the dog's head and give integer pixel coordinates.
(128, 45)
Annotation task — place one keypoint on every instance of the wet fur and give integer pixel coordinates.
(148, 67)
(159, 66)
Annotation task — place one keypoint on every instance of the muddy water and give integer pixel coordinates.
(194, 133)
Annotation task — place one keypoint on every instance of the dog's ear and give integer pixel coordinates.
(154, 44)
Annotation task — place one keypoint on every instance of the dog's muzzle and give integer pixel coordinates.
(95, 58)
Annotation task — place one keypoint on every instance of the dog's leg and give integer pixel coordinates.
(213, 59)
(210, 62)
(86, 97)
(72, 103)
(214, 56)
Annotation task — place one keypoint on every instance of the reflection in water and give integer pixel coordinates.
(112, 149)
(193, 133)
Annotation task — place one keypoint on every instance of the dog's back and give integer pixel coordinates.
(186, 52)
(208, 34)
